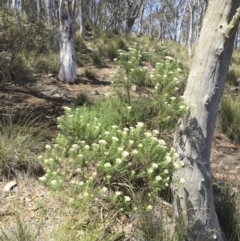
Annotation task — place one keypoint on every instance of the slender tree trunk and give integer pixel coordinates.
(33, 10)
(236, 44)
(190, 34)
(26, 9)
(193, 200)
(160, 31)
(201, 9)
(179, 25)
(150, 21)
(68, 66)
(139, 31)
(16, 14)
(82, 18)
(49, 8)
(9, 3)
(132, 14)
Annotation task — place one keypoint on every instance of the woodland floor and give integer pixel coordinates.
(44, 97)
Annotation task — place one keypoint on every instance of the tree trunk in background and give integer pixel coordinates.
(193, 200)
(200, 11)
(16, 14)
(160, 32)
(132, 14)
(150, 21)
(68, 66)
(49, 11)
(190, 34)
(139, 31)
(161, 20)
(82, 18)
(179, 24)
(32, 11)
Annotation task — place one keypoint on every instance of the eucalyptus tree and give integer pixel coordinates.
(193, 199)
(192, 8)
(180, 21)
(162, 19)
(67, 16)
(49, 12)
(196, 11)
(115, 14)
(141, 16)
(30, 9)
(132, 12)
(82, 17)
(200, 6)
(170, 15)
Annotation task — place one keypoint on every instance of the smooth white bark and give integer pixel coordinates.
(132, 14)
(193, 200)
(82, 18)
(190, 34)
(68, 66)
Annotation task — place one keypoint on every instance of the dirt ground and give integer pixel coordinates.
(45, 97)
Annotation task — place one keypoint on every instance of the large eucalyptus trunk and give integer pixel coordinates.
(193, 199)
(68, 66)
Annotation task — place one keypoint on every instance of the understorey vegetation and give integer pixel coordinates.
(110, 166)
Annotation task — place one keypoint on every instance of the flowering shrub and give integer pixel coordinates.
(116, 145)
(121, 161)
(156, 100)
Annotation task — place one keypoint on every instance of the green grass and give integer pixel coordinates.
(16, 232)
(90, 74)
(19, 145)
(44, 63)
(232, 77)
(106, 163)
(234, 72)
(88, 212)
(230, 116)
(107, 46)
(227, 202)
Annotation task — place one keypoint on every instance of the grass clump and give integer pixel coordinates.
(227, 202)
(234, 72)
(90, 74)
(19, 144)
(110, 48)
(81, 99)
(14, 69)
(47, 63)
(17, 232)
(97, 58)
(232, 77)
(107, 47)
(91, 219)
(230, 116)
